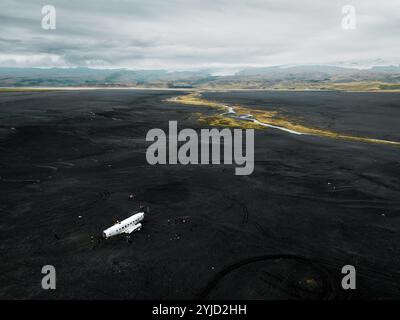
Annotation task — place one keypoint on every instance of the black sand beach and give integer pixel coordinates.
(70, 160)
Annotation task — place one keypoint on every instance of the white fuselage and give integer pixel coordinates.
(126, 226)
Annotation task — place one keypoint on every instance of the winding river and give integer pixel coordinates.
(271, 119)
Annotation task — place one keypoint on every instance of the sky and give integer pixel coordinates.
(190, 34)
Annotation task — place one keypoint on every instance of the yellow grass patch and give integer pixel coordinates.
(267, 117)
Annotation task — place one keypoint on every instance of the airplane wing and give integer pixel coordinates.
(136, 227)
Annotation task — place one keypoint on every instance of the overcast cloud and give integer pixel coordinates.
(179, 34)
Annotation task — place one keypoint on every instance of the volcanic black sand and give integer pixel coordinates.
(70, 160)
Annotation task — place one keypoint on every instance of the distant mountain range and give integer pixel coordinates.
(278, 77)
